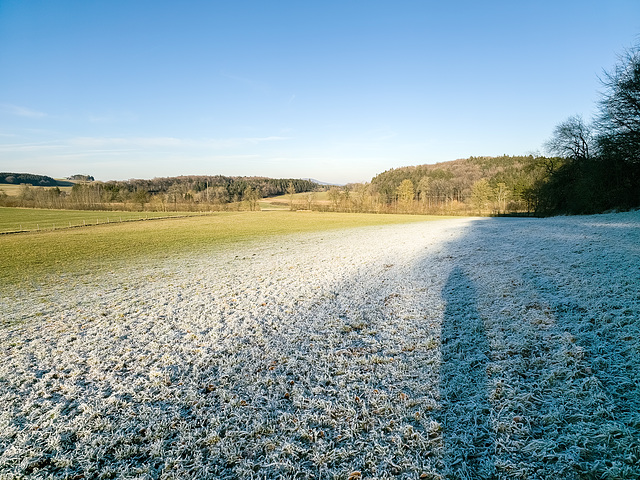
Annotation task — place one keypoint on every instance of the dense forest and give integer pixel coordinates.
(476, 184)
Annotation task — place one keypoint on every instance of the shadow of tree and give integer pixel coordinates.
(469, 442)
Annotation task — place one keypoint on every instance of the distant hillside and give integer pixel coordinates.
(9, 178)
(324, 184)
(192, 192)
(224, 189)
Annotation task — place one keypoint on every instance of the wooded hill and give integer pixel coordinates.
(219, 188)
(9, 178)
(481, 184)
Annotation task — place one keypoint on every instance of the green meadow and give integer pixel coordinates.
(31, 256)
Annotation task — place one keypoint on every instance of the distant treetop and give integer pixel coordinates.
(82, 178)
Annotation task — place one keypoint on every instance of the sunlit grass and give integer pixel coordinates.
(282, 202)
(26, 257)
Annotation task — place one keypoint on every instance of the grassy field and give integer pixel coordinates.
(20, 219)
(494, 348)
(281, 202)
(29, 256)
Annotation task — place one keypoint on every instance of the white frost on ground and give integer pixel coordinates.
(467, 348)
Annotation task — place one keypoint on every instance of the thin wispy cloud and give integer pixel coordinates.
(382, 134)
(248, 82)
(262, 139)
(112, 117)
(25, 147)
(97, 153)
(22, 111)
(79, 146)
(235, 157)
(142, 142)
(170, 142)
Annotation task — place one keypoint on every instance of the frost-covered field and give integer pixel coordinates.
(468, 348)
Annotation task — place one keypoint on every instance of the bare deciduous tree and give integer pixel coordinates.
(619, 119)
(502, 195)
(291, 191)
(571, 139)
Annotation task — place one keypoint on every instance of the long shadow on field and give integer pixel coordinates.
(599, 308)
(606, 333)
(565, 347)
(468, 439)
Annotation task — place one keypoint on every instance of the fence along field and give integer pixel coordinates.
(28, 219)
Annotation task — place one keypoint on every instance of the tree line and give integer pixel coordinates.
(476, 185)
(185, 193)
(482, 185)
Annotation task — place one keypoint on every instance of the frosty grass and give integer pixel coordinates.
(466, 348)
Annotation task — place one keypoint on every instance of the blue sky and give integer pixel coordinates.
(333, 90)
